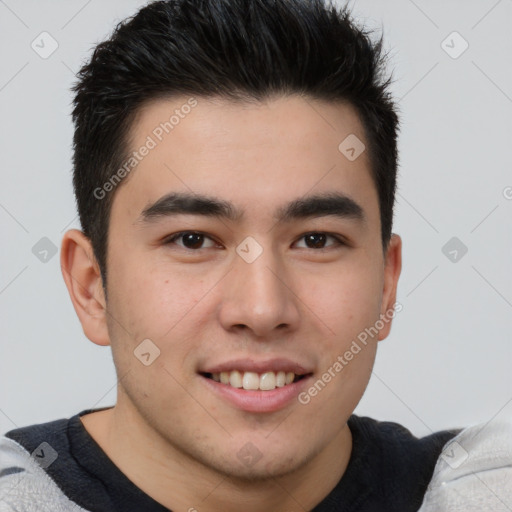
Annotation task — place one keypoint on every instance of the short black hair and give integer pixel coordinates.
(236, 49)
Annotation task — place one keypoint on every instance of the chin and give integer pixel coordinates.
(250, 464)
(262, 471)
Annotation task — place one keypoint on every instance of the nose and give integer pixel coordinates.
(258, 297)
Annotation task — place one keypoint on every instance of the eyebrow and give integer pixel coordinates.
(319, 205)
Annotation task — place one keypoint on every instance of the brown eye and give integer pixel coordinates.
(315, 240)
(189, 240)
(193, 240)
(319, 240)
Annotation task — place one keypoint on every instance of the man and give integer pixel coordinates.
(234, 169)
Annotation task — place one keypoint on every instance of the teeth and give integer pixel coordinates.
(251, 380)
(254, 381)
(235, 379)
(267, 381)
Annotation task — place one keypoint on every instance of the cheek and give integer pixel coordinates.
(151, 304)
(347, 299)
(151, 297)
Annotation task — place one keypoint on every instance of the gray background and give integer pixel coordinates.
(447, 360)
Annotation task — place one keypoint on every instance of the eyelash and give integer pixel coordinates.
(338, 239)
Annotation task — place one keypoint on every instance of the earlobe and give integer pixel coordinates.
(392, 269)
(83, 280)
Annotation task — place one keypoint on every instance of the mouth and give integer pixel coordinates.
(258, 387)
(252, 381)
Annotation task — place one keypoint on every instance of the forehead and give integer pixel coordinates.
(253, 155)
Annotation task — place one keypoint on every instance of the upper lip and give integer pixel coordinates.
(252, 365)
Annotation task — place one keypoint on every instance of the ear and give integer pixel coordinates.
(392, 269)
(83, 280)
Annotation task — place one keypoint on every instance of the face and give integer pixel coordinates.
(263, 268)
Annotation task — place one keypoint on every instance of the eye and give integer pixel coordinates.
(195, 240)
(317, 240)
(190, 240)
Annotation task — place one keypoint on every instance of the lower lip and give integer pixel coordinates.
(258, 401)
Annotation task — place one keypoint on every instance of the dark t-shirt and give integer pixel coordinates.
(389, 468)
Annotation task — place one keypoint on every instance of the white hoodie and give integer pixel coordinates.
(474, 471)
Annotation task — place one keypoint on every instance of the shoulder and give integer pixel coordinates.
(32, 436)
(26, 457)
(389, 438)
(391, 464)
(474, 471)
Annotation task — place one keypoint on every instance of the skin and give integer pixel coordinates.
(173, 437)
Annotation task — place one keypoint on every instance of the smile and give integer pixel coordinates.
(266, 381)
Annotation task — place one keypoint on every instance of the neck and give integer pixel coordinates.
(180, 482)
